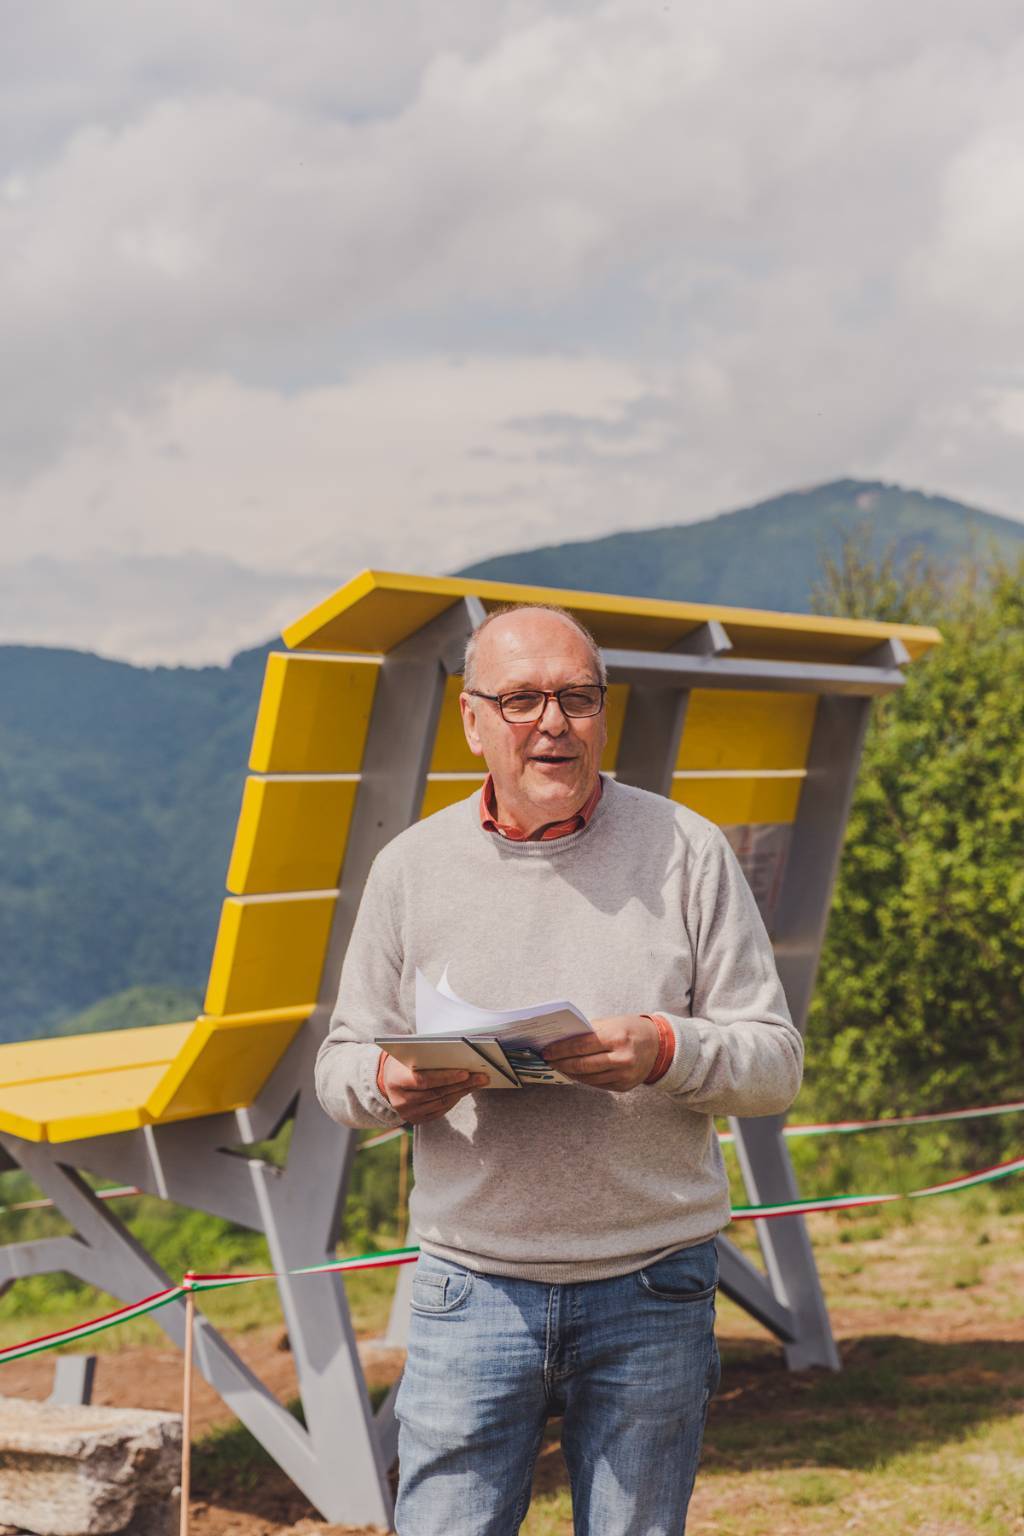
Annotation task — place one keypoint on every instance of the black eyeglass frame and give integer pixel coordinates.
(546, 693)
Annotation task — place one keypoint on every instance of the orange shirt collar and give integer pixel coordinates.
(490, 823)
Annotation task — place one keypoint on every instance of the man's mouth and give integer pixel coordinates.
(552, 757)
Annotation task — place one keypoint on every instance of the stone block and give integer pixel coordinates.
(69, 1470)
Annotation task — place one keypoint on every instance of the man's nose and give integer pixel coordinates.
(552, 721)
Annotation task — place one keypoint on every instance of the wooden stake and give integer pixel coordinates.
(403, 1184)
(186, 1413)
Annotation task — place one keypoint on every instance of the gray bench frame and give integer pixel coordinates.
(341, 1458)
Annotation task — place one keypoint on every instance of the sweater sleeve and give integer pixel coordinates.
(739, 1052)
(369, 1004)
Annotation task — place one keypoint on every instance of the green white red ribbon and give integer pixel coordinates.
(119, 1193)
(393, 1256)
(850, 1127)
(846, 1202)
(829, 1128)
(194, 1283)
(825, 1128)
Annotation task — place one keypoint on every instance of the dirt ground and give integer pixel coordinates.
(272, 1506)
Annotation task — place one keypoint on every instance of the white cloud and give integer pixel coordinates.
(415, 284)
(975, 263)
(418, 463)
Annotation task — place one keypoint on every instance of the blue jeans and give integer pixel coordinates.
(629, 1364)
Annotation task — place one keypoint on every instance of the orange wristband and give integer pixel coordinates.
(666, 1048)
(380, 1077)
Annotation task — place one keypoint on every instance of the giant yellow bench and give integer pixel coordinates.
(753, 719)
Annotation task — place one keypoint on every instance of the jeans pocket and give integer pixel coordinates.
(690, 1274)
(438, 1287)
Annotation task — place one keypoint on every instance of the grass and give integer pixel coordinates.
(229, 1457)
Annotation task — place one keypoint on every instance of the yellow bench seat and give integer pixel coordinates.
(75, 1086)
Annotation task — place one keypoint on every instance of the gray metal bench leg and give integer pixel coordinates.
(349, 1479)
(73, 1377)
(785, 1245)
(105, 1254)
(397, 1335)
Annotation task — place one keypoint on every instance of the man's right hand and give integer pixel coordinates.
(427, 1095)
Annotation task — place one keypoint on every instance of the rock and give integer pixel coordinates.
(68, 1470)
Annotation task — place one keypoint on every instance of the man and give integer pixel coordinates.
(568, 1260)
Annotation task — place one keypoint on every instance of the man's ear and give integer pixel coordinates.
(467, 705)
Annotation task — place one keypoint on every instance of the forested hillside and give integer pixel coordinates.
(765, 556)
(119, 791)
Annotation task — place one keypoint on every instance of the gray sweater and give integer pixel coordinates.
(644, 910)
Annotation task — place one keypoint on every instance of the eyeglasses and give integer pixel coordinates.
(526, 705)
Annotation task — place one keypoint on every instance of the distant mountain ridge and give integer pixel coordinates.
(120, 785)
(764, 556)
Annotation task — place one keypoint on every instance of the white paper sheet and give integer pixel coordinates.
(440, 1012)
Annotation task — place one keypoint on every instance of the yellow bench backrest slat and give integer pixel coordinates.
(735, 730)
(313, 715)
(740, 802)
(269, 953)
(443, 792)
(451, 753)
(291, 835)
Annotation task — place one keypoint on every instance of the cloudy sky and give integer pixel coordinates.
(287, 290)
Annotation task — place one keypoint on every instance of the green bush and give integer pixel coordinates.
(920, 996)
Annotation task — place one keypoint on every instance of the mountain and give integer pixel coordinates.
(764, 556)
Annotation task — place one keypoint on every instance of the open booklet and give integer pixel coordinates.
(505, 1044)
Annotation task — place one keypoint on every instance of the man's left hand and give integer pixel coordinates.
(618, 1055)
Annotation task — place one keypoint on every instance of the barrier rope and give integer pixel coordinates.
(851, 1127)
(390, 1257)
(120, 1193)
(826, 1128)
(193, 1282)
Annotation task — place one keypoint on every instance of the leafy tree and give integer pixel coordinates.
(861, 582)
(920, 996)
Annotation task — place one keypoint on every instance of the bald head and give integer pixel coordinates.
(506, 631)
(542, 769)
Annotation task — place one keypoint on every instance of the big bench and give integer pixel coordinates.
(753, 719)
